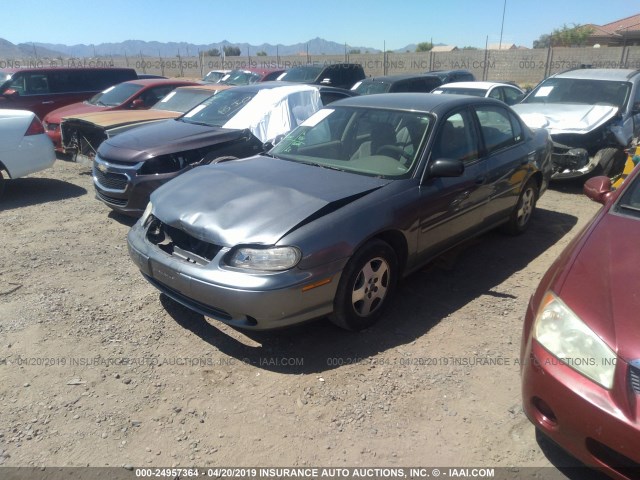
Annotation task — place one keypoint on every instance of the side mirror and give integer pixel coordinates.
(636, 109)
(11, 93)
(138, 103)
(598, 189)
(325, 81)
(446, 167)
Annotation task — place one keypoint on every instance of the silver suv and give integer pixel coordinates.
(592, 116)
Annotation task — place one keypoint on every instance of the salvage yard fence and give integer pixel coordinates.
(523, 66)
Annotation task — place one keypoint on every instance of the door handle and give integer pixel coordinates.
(47, 103)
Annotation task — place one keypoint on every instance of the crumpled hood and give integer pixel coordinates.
(168, 136)
(602, 284)
(114, 118)
(565, 118)
(253, 201)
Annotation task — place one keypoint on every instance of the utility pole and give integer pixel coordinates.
(504, 9)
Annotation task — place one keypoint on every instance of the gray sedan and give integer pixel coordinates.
(361, 194)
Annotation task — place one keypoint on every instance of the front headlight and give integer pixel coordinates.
(145, 214)
(270, 259)
(562, 333)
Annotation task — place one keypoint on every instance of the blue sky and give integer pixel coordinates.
(366, 23)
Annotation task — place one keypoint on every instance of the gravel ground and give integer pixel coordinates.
(98, 369)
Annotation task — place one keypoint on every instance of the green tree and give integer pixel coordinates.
(354, 51)
(214, 52)
(261, 53)
(575, 36)
(424, 46)
(543, 41)
(231, 51)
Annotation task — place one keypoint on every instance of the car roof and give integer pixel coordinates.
(396, 78)
(619, 74)
(206, 86)
(478, 85)
(153, 82)
(255, 87)
(422, 102)
(261, 71)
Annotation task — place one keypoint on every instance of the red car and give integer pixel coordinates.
(134, 95)
(580, 351)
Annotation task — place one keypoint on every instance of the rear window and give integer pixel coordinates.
(368, 88)
(301, 74)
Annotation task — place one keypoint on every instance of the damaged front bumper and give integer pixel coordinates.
(248, 300)
(571, 162)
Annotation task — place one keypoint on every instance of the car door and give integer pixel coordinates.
(505, 156)
(29, 91)
(452, 208)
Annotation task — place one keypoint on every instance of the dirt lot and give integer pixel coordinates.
(98, 369)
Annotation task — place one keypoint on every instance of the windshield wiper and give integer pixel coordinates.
(330, 167)
(204, 124)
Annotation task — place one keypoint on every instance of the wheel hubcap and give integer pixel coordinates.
(526, 207)
(370, 287)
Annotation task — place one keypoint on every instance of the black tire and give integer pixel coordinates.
(3, 182)
(521, 216)
(366, 286)
(610, 161)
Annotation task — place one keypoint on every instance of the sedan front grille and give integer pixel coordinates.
(119, 202)
(180, 244)
(634, 377)
(110, 180)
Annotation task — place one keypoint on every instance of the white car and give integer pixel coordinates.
(24, 146)
(509, 94)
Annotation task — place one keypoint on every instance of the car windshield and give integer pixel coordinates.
(240, 77)
(368, 141)
(301, 74)
(476, 92)
(219, 109)
(368, 88)
(630, 201)
(213, 77)
(115, 95)
(182, 100)
(4, 77)
(580, 91)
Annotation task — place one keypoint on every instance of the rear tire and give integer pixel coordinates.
(521, 216)
(366, 286)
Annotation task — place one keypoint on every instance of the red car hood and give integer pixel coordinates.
(603, 284)
(74, 109)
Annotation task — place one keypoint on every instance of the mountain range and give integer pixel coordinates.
(131, 48)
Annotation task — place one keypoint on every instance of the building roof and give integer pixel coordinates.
(444, 48)
(625, 31)
(631, 23)
(503, 46)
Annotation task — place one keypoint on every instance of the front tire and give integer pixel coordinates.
(610, 161)
(3, 182)
(521, 216)
(366, 286)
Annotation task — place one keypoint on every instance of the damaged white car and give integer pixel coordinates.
(593, 115)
